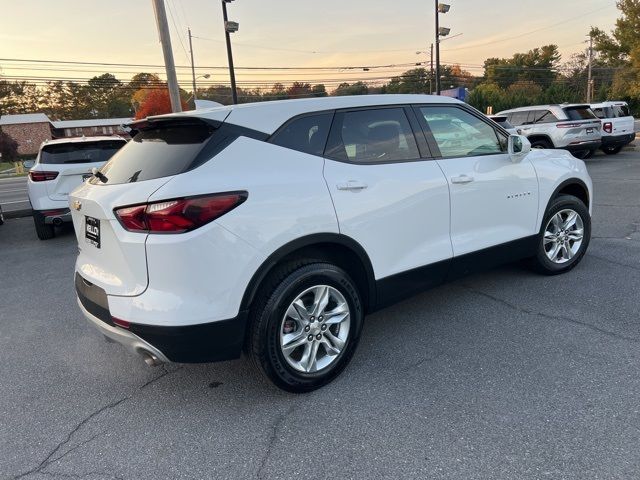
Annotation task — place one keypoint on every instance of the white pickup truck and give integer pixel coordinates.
(618, 127)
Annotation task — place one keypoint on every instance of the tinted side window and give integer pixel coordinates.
(519, 118)
(305, 134)
(599, 112)
(373, 135)
(458, 133)
(544, 116)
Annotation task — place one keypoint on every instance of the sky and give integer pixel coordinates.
(284, 33)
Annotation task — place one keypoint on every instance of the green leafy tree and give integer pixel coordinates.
(345, 88)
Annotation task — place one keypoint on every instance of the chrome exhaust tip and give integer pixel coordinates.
(149, 358)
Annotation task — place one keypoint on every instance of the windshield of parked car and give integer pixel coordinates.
(80, 152)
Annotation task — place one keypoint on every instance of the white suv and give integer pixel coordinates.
(275, 227)
(570, 127)
(618, 126)
(60, 167)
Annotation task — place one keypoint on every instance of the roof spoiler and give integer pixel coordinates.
(168, 121)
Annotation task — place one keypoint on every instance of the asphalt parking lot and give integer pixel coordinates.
(505, 374)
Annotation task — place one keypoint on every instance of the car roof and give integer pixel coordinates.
(609, 103)
(58, 141)
(268, 116)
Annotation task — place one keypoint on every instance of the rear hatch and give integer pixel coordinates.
(623, 122)
(581, 125)
(73, 161)
(110, 256)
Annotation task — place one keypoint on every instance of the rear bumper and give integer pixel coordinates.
(617, 140)
(580, 146)
(201, 343)
(54, 216)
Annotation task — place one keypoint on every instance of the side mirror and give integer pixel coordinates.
(519, 146)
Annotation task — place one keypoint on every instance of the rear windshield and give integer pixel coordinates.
(156, 152)
(620, 111)
(80, 152)
(503, 122)
(579, 113)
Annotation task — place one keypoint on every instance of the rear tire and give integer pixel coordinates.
(541, 144)
(44, 231)
(563, 237)
(322, 329)
(611, 150)
(583, 154)
(1, 217)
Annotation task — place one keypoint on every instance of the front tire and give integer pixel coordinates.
(541, 144)
(305, 325)
(44, 231)
(564, 236)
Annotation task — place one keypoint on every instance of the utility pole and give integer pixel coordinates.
(437, 49)
(170, 67)
(193, 68)
(431, 75)
(228, 28)
(589, 78)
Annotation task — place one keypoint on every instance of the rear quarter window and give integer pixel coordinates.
(306, 134)
(80, 152)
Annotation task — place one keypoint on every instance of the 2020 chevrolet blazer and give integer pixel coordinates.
(275, 227)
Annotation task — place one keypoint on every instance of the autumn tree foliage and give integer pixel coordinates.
(155, 102)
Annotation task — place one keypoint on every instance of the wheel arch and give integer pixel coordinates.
(572, 186)
(337, 248)
(540, 136)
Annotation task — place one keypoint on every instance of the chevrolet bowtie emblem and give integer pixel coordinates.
(77, 205)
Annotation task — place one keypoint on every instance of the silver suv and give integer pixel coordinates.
(570, 127)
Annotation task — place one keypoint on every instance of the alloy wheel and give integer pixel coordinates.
(563, 236)
(314, 329)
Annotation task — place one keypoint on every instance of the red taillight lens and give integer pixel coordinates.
(39, 176)
(180, 215)
(607, 127)
(121, 323)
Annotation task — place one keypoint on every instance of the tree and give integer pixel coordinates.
(157, 102)
(299, 90)
(9, 150)
(358, 88)
(411, 81)
(538, 66)
(621, 50)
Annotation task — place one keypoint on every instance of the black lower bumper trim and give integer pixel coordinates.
(618, 140)
(94, 299)
(583, 146)
(209, 342)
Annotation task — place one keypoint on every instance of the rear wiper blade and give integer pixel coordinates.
(79, 160)
(99, 175)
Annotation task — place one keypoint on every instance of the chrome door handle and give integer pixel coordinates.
(462, 179)
(352, 185)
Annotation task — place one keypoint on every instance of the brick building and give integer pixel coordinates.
(28, 130)
(31, 129)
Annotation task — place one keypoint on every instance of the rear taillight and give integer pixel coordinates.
(40, 176)
(179, 215)
(607, 127)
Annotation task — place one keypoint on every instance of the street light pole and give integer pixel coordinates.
(232, 75)
(170, 67)
(437, 49)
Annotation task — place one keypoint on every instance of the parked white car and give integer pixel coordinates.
(276, 227)
(571, 127)
(60, 167)
(618, 126)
